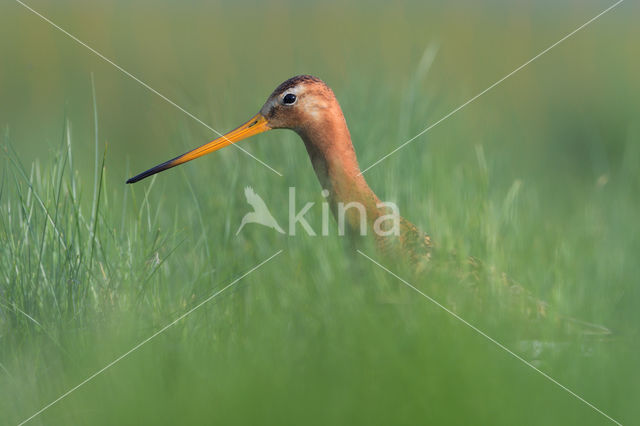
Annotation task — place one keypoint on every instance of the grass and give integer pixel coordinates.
(538, 179)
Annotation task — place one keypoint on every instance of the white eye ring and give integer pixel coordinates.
(289, 99)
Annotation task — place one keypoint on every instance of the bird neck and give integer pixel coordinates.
(336, 166)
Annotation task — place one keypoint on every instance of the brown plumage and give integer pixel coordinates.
(318, 119)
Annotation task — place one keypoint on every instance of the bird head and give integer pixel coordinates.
(299, 103)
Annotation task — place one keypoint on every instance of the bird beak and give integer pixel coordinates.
(257, 124)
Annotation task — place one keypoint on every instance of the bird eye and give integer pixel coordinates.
(289, 98)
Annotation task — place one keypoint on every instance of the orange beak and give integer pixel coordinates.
(257, 124)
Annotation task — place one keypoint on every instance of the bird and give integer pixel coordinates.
(260, 213)
(308, 106)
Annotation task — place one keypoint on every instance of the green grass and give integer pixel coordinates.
(538, 179)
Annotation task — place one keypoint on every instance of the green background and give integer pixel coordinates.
(538, 178)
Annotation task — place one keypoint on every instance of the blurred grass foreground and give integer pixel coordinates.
(538, 178)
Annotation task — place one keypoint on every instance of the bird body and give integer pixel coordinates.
(306, 105)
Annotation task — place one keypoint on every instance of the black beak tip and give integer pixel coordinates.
(152, 171)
